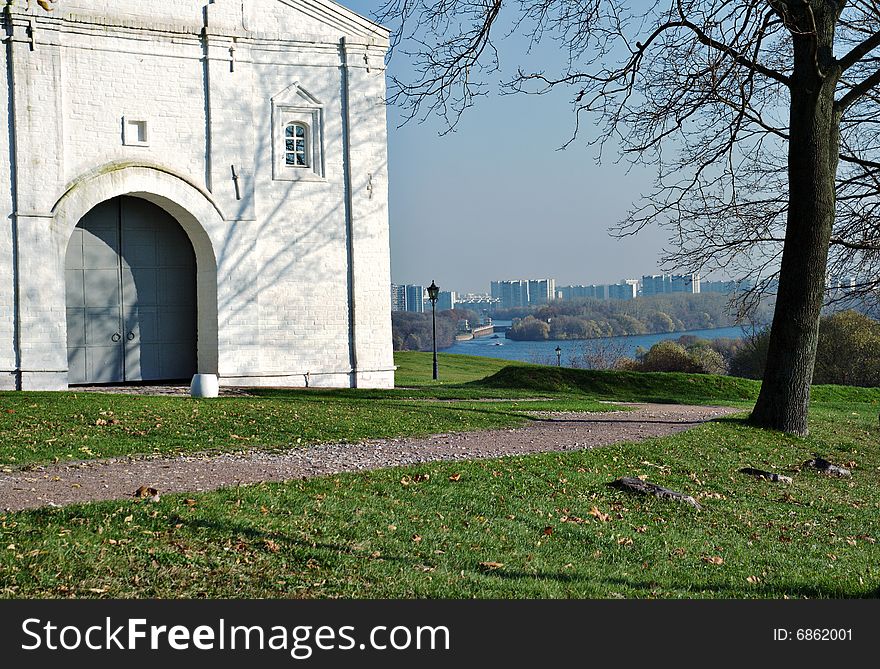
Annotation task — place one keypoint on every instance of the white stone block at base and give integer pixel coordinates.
(326, 380)
(379, 379)
(8, 380)
(43, 381)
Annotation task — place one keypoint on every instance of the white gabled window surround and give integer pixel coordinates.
(297, 136)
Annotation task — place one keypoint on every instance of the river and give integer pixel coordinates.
(544, 352)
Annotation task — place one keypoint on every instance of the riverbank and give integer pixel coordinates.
(544, 352)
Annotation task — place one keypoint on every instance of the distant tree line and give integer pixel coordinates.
(590, 318)
(411, 331)
(848, 353)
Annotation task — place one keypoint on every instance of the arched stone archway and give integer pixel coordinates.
(191, 207)
(130, 280)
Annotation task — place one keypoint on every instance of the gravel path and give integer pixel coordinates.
(118, 478)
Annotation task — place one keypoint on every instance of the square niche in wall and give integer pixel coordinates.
(135, 132)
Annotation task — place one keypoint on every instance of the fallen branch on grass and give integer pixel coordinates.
(826, 467)
(770, 476)
(647, 488)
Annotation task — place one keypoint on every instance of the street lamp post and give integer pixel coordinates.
(433, 292)
(558, 357)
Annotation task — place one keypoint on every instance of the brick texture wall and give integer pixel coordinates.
(301, 266)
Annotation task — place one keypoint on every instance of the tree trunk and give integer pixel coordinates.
(812, 166)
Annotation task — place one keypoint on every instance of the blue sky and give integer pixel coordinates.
(497, 200)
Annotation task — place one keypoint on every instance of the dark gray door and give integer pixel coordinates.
(131, 295)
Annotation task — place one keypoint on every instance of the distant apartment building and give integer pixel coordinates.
(541, 291)
(653, 284)
(446, 300)
(511, 294)
(728, 287)
(684, 283)
(523, 292)
(398, 297)
(840, 284)
(659, 284)
(625, 290)
(415, 298)
(577, 292)
(406, 297)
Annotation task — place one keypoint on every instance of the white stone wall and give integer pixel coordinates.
(7, 296)
(293, 274)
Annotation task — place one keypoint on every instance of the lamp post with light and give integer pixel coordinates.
(433, 292)
(558, 357)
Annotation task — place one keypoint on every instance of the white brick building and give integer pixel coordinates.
(193, 185)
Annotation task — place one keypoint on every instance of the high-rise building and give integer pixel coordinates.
(511, 294)
(653, 284)
(683, 283)
(658, 284)
(840, 284)
(398, 297)
(726, 287)
(541, 291)
(415, 298)
(576, 292)
(625, 290)
(445, 300)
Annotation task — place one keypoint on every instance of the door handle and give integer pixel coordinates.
(116, 337)
(130, 336)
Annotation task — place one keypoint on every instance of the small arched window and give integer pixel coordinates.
(296, 145)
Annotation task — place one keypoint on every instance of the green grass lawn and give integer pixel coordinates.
(414, 369)
(37, 428)
(533, 526)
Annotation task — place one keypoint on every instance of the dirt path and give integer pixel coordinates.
(118, 478)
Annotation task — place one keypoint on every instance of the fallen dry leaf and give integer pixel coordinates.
(492, 566)
(713, 559)
(455, 477)
(604, 517)
(145, 491)
(548, 530)
(190, 502)
(753, 580)
(271, 546)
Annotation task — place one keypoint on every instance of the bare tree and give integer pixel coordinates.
(760, 116)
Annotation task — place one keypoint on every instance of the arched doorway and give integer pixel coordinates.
(130, 274)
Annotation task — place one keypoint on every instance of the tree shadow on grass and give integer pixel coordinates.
(228, 529)
(649, 588)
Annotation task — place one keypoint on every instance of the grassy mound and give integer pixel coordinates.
(667, 387)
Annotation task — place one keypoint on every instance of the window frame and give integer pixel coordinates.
(311, 118)
(305, 138)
